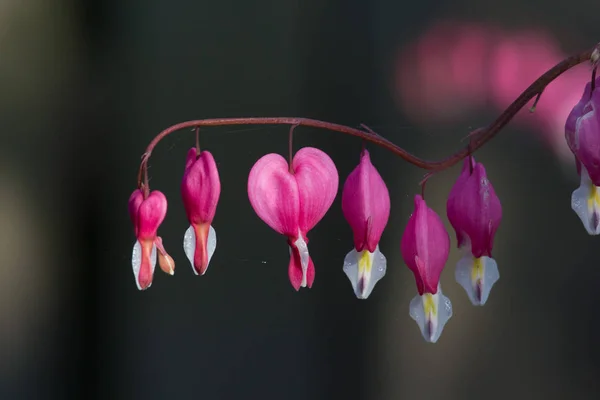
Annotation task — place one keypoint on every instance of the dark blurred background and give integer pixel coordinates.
(86, 85)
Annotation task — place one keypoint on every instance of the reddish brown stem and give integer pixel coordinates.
(197, 142)
(478, 139)
(291, 148)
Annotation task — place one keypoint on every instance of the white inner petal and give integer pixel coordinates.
(189, 246)
(585, 202)
(211, 244)
(304, 257)
(153, 255)
(431, 312)
(364, 270)
(477, 277)
(136, 262)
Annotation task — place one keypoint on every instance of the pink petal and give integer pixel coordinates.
(587, 138)
(451, 204)
(201, 256)
(474, 210)
(147, 264)
(318, 182)
(366, 204)
(135, 200)
(151, 214)
(201, 187)
(273, 193)
(425, 246)
(191, 157)
(574, 115)
(295, 271)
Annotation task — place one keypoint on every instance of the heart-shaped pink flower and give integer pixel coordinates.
(293, 201)
(146, 216)
(200, 191)
(366, 207)
(582, 131)
(425, 246)
(475, 212)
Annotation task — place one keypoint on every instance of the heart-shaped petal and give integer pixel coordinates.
(273, 193)
(588, 138)
(425, 246)
(318, 182)
(151, 214)
(452, 207)
(366, 204)
(574, 115)
(474, 210)
(200, 187)
(135, 200)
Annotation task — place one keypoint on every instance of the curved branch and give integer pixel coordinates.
(479, 136)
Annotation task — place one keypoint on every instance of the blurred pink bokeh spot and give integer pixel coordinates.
(457, 68)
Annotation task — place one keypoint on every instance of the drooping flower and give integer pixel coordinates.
(366, 207)
(200, 190)
(425, 245)
(146, 216)
(475, 213)
(582, 131)
(293, 200)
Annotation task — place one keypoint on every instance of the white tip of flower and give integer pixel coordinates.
(364, 270)
(189, 245)
(431, 312)
(477, 276)
(304, 257)
(585, 201)
(136, 262)
(211, 246)
(595, 58)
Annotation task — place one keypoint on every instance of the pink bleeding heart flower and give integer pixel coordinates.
(475, 212)
(200, 190)
(366, 207)
(146, 216)
(293, 200)
(582, 131)
(425, 246)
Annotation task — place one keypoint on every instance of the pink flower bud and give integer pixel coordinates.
(425, 246)
(165, 261)
(200, 190)
(582, 131)
(146, 216)
(366, 207)
(475, 213)
(292, 203)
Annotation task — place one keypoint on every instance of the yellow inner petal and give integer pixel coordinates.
(429, 305)
(365, 262)
(477, 269)
(594, 196)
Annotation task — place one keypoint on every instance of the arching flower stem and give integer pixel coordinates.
(479, 137)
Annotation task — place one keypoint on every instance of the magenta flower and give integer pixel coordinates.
(366, 207)
(293, 200)
(146, 216)
(475, 213)
(424, 247)
(582, 131)
(200, 190)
